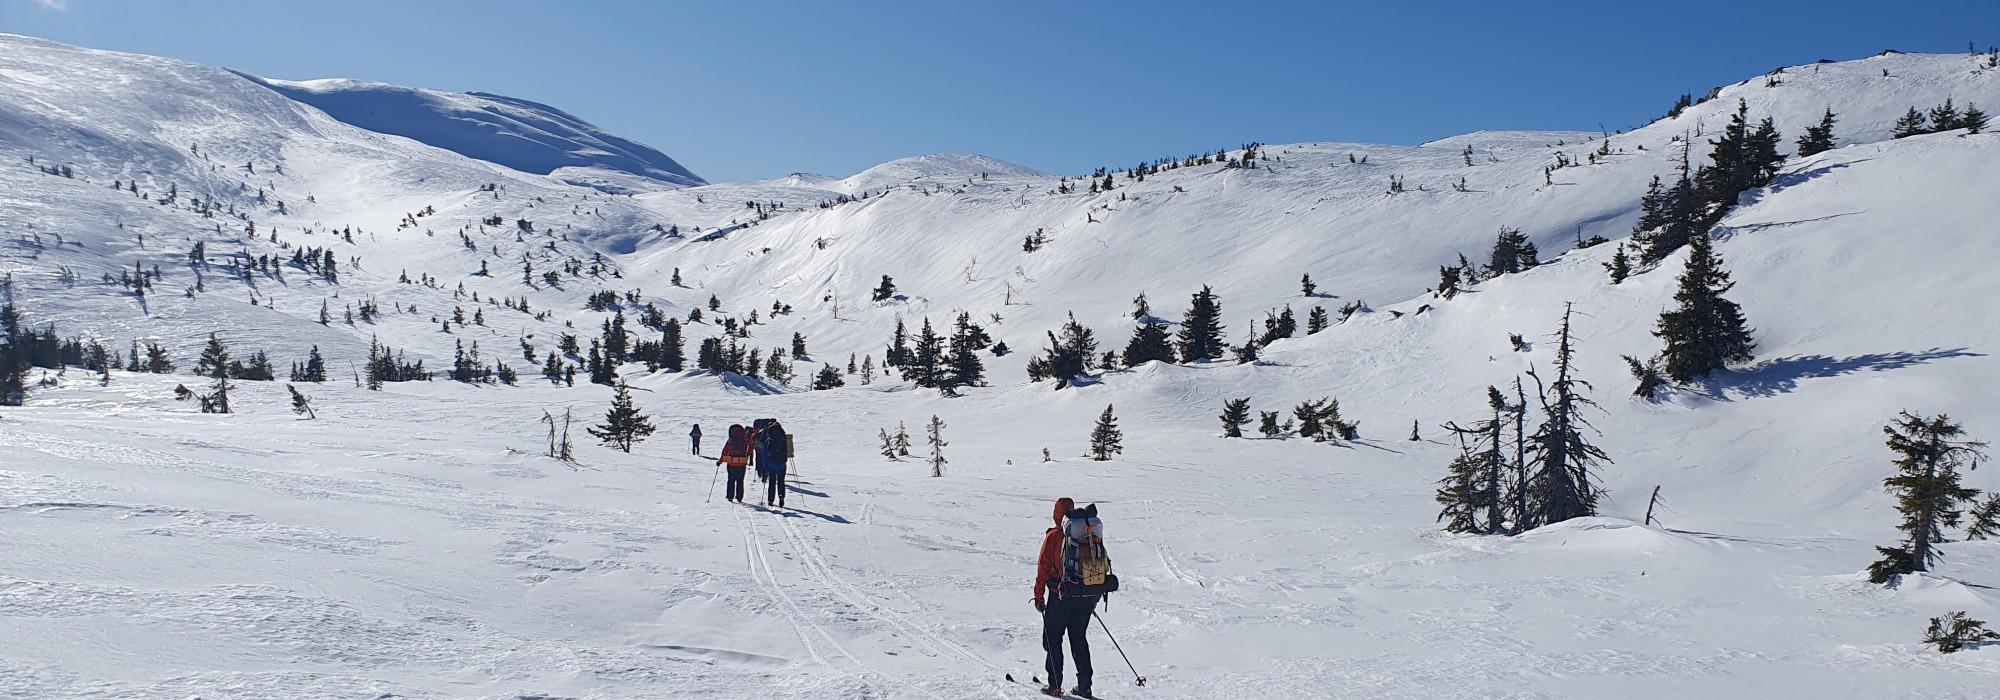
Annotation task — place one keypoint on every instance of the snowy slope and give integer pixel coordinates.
(517, 133)
(414, 543)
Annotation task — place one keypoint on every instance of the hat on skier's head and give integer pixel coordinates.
(736, 431)
(1063, 506)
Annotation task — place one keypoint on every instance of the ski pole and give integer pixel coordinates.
(711, 483)
(1136, 678)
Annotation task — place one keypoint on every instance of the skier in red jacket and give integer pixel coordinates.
(1064, 615)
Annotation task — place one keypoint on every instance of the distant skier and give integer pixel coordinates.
(1069, 611)
(695, 436)
(773, 450)
(735, 456)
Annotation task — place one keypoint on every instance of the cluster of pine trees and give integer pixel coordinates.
(934, 361)
(1944, 117)
(1506, 480)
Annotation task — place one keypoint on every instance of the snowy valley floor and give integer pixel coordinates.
(415, 543)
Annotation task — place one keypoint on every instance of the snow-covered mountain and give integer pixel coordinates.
(513, 132)
(413, 542)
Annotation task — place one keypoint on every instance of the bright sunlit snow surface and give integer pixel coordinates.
(415, 542)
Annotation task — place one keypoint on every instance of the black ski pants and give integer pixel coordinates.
(774, 489)
(1068, 616)
(734, 492)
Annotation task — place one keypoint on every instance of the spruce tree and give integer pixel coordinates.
(1235, 415)
(1944, 117)
(962, 364)
(927, 359)
(799, 345)
(1200, 338)
(1306, 287)
(829, 378)
(1150, 342)
(1985, 519)
(672, 353)
(1105, 437)
(1705, 331)
(1247, 352)
(1316, 320)
(1620, 266)
(1308, 415)
(13, 357)
(888, 445)
(1910, 124)
(898, 353)
(1818, 139)
(1562, 481)
(885, 290)
(1973, 120)
(623, 424)
(1929, 452)
(902, 440)
(1509, 247)
(937, 443)
(1267, 424)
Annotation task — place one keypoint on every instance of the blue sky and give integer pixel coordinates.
(751, 88)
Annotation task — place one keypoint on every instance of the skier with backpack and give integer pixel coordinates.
(1073, 573)
(773, 450)
(695, 436)
(735, 456)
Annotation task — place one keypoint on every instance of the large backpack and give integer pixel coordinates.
(1086, 564)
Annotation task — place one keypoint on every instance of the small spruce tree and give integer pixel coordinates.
(1105, 437)
(623, 424)
(1235, 415)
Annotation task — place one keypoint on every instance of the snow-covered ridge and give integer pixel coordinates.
(523, 135)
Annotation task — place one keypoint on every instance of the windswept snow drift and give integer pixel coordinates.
(413, 542)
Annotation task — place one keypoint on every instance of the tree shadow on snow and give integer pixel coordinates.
(1782, 375)
(1785, 181)
(789, 486)
(790, 512)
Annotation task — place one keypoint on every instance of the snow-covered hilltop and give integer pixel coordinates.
(415, 541)
(513, 132)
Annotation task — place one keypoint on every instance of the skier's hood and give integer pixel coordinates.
(1063, 506)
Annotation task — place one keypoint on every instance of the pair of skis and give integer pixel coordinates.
(1037, 686)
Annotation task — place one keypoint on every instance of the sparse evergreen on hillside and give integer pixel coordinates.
(1068, 357)
(1200, 338)
(13, 357)
(1316, 320)
(886, 290)
(1561, 486)
(935, 437)
(1704, 331)
(1512, 252)
(1150, 343)
(1235, 415)
(828, 378)
(1267, 424)
(1105, 437)
(1928, 489)
(623, 426)
(1817, 139)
